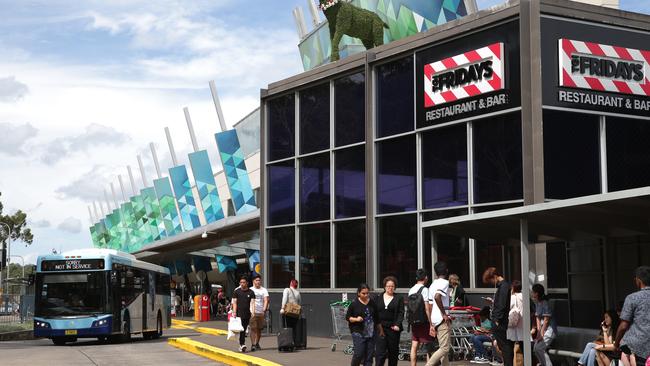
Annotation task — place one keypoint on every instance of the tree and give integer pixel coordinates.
(18, 225)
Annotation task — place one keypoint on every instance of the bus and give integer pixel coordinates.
(100, 293)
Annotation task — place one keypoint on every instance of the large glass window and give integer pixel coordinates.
(628, 153)
(505, 257)
(454, 251)
(281, 190)
(395, 97)
(444, 167)
(315, 256)
(315, 188)
(350, 253)
(282, 248)
(497, 159)
(350, 182)
(571, 154)
(396, 185)
(281, 127)
(397, 248)
(350, 109)
(70, 294)
(315, 118)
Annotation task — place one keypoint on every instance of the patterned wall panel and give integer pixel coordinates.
(234, 167)
(206, 186)
(152, 206)
(142, 232)
(404, 18)
(93, 236)
(129, 223)
(184, 197)
(170, 219)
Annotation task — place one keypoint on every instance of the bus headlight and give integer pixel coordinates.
(40, 324)
(100, 323)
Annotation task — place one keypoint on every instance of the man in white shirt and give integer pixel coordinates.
(258, 309)
(440, 321)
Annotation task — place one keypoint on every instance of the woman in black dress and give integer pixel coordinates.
(391, 315)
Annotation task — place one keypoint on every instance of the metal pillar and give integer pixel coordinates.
(525, 289)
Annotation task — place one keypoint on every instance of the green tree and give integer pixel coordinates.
(17, 223)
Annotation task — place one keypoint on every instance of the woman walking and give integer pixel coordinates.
(363, 322)
(391, 316)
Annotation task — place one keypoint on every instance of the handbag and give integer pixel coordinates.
(292, 309)
(234, 325)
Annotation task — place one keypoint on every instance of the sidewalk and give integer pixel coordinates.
(318, 349)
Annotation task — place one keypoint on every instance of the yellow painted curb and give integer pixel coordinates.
(182, 326)
(212, 331)
(181, 322)
(218, 354)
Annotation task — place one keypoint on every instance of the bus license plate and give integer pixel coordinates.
(71, 332)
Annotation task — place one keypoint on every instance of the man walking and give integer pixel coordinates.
(258, 310)
(500, 311)
(440, 321)
(634, 329)
(241, 307)
(419, 313)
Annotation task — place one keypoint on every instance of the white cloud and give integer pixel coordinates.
(12, 90)
(41, 224)
(95, 135)
(89, 186)
(70, 225)
(15, 136)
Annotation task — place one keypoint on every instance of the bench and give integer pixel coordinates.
(569, 344)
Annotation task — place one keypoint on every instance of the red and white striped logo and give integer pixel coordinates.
(601, 67)
(466, 75)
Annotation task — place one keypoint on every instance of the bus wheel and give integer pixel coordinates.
(126, 330)
(159, 328)
(59, 341)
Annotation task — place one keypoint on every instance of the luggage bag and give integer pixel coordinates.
(285, 340)
(301, 333)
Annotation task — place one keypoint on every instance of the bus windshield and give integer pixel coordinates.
(70, 294)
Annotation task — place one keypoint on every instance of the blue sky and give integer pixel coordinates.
(85, 86)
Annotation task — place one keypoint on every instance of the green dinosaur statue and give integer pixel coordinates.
(347, 19)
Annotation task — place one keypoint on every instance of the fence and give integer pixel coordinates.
(16, 308)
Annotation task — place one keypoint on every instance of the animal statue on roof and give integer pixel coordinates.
(347, 19)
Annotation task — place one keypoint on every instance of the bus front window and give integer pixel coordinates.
(70, 294)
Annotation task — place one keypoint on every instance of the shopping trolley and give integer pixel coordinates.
(463, 322)
(340, 327)
(405, 341)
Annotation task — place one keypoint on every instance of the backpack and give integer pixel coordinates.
(416, 312)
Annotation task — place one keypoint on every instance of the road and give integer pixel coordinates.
(90, 352)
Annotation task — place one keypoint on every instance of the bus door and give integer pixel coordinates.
(151, 301)
(115, 296)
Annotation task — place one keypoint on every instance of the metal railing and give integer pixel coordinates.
(16, 308)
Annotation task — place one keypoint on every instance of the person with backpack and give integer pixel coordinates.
(418, 314)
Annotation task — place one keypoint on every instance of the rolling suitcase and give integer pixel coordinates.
(285, 340)
(301, 333)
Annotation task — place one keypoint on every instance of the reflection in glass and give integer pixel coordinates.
(397, 248)
(70, 294)
(315, 188)
(497, 159)
(455, 252)
(282, 248)
(350, 253)
(315, 118)
(281, 188)
(350, 109)
(628, 153)
(315, 256)
(350, 183)
(281, 126)
(444, 167)
(396, 185)
(506, 257)
(395, 92)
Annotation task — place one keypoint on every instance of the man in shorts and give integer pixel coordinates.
(420, 330)
(242, 300)
(258, 309)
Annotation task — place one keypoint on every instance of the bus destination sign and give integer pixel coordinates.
(72, 265)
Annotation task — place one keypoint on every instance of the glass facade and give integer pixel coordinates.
(628, 153)
(282, 249)
(315, 188)
(396, 167)
(315, 256)
(397, 248)
(281, 189)
(281, 127)
(350, 109)
(444, 167)
(350, 253)
(395, 112)
(315, 118)
(350, 182)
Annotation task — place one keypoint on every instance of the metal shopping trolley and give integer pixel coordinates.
(404, 351)
(340, 327)
(463, 323)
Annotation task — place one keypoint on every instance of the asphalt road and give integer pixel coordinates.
(90, 352)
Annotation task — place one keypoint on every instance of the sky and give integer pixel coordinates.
(85, 86)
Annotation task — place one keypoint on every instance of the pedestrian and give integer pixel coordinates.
(440, 321)
(291, 295)
(457, 293)
(515, 331)
(391, 316)
(258, 311)
(242, 299)
(499, 313)
(481, 335)
(419, 314)
(362, 317)
(546, 326)
(634, 329)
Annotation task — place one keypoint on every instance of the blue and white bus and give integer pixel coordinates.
(100, 293)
